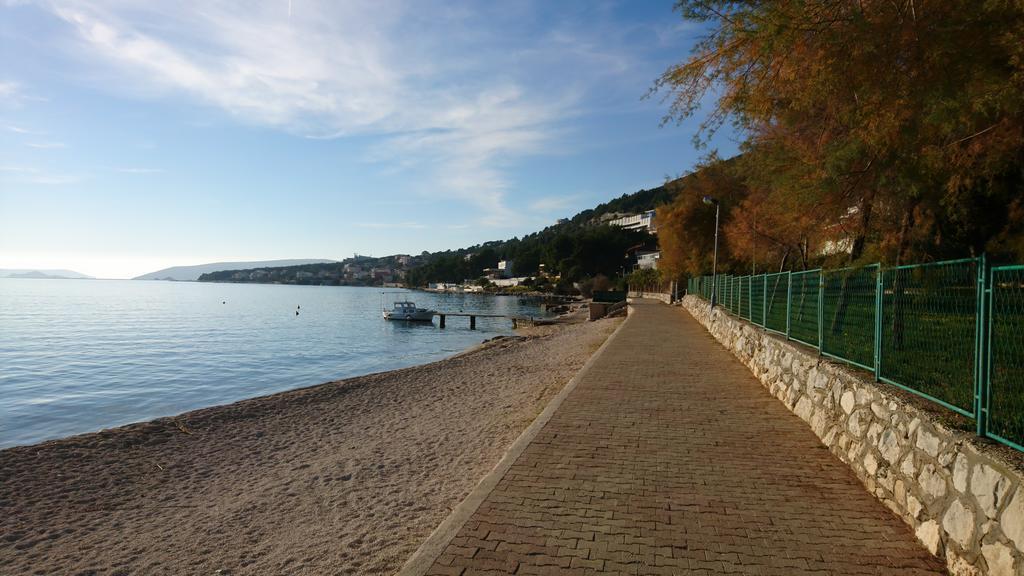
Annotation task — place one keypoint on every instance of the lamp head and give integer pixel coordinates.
(710, 201)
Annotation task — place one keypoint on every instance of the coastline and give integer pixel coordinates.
(345, 477)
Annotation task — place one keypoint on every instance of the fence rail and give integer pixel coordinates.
(951, 332)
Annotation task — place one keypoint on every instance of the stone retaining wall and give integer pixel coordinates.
(963, 500)
(666, 298)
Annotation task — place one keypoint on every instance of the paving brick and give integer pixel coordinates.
(670, 458)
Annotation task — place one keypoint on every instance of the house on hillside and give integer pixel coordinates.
(647, 260)
(837, 238)
(506, 268)
(643, 222)
(508, 282)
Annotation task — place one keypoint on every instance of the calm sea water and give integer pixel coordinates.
(81, 355)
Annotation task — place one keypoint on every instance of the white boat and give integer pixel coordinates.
(406, 310)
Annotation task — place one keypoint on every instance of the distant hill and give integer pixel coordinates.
(634, 203)
(48, 274)
(576, 248)
(192, 273)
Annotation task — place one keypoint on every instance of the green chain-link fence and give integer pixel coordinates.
(757, 298)
(734, 294)
(1006, 356)
(848, 314)
(777, 311)
(929, 330)
(745, 299)
(803, 306)
(947, 331)
(729, 282)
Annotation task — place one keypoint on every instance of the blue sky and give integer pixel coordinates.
(140, 135)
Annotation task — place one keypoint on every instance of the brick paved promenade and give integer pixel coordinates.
(670, 458)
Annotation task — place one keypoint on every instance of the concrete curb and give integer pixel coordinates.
(425, 556)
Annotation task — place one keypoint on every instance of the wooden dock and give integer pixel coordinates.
(474, 315)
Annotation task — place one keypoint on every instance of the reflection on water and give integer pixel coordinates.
(79, 355)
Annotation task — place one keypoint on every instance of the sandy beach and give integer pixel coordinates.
(346, 477)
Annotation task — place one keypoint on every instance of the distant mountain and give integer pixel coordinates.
(192, 273)
(49, 274)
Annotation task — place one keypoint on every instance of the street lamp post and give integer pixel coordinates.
(714, 266)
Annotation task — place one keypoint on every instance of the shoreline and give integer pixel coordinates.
(345, 477)
(115, 381)
(472, 348)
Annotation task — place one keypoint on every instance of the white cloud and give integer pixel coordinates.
(13, 94)
(47, 145)
(9, 90)
(26, 131)
(329, 70)
(32, 175)
(458, 92)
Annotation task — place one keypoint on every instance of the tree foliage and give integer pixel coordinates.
(895, 125)
(576, 249)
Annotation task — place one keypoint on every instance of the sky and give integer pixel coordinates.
(140, 135)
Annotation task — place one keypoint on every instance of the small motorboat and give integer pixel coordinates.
(406, 310)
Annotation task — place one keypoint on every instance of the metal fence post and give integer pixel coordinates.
(789, 300)
(764, 300)
(750, 298)
(739, 298)
(982, 348)
(732, 294)
(879, 289)
(821, 309)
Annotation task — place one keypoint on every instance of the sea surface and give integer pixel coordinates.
(82, 355)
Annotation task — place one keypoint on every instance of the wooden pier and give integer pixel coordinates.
(474, 315)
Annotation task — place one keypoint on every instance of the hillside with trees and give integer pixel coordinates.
(873, 131)
(574, 250)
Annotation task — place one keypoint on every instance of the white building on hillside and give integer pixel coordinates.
(647, 260)
(643, 221)
(506, 267)
(508, 282)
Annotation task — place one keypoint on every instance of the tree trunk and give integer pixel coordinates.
(865, 207)
(782, 266)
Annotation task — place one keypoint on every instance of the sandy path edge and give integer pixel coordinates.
(425, 556)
